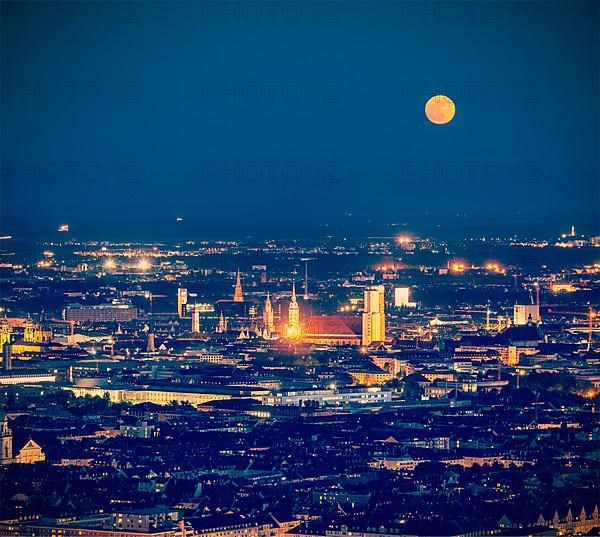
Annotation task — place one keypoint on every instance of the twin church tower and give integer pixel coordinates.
(371, 328)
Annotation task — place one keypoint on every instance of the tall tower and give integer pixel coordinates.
(222, 324)
(182, 298)
(4, 333)
(150, 344)
(6, 440)
(306, 280)
(7, 356)
(238, 295)
(195, 319)
(29, 331)
(294, 314)
(267, 316)
(373, 317)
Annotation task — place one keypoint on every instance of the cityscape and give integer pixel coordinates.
(401, 385)
(299, 268)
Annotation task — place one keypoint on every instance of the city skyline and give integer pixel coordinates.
(299, 268)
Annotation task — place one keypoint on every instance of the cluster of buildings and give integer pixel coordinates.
(181, 396)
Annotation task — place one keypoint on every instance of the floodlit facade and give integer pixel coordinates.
(373, 318)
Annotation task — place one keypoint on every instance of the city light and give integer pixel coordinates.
(494, 266)
(144, 264)
(320, 281)
(458, 266)
(293, 332)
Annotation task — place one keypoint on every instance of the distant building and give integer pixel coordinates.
(238, 295)
(374, 377)
(332, 330)
(402, 297)
(328, 397)
(5, 440)
(149, 395)
(195, 319)
(101, 313)
(30, 453)
(392, 365)
(4, 333)
(145, 519)
(293, 327)
(373, 317)
(29, 376)
(182, 298)
(527, 313)
(267, 317)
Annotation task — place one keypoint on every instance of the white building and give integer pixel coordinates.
(328, 397)
(522, 314)
(402, 298)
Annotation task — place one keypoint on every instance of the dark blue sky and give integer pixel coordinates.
(521, 153)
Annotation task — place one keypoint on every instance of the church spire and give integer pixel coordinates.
(268, 316)
(238, 295)
(293, 313)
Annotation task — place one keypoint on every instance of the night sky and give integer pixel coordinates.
(133, 92)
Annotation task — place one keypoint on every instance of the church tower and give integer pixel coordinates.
(293, 330)
(6, 440)
(238, 295)
(4, 333)
(268, 316)
(222, 324)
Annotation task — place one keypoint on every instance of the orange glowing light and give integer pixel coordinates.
(440, 109)
(293, 332)
(109, 264)
(494, 266)
(144, 264)
(458, 266)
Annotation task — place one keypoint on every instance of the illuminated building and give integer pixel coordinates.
(402, 297)
(16, 377)
(6, 440)
(150, 346)
(222, 324)
(267, 316)
(293, 327)
(30, 453)
(392, 365)
(195, 319)
(332, 330)
(182, 298)
(156, 396)
(373, 317)
(101, 313)
(370, 378)
(524, 314)
(238, 295)
(328, 397)
(4, 333)
(562, 288)
(33, 333)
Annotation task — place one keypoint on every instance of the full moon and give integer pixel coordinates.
(440, 109)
